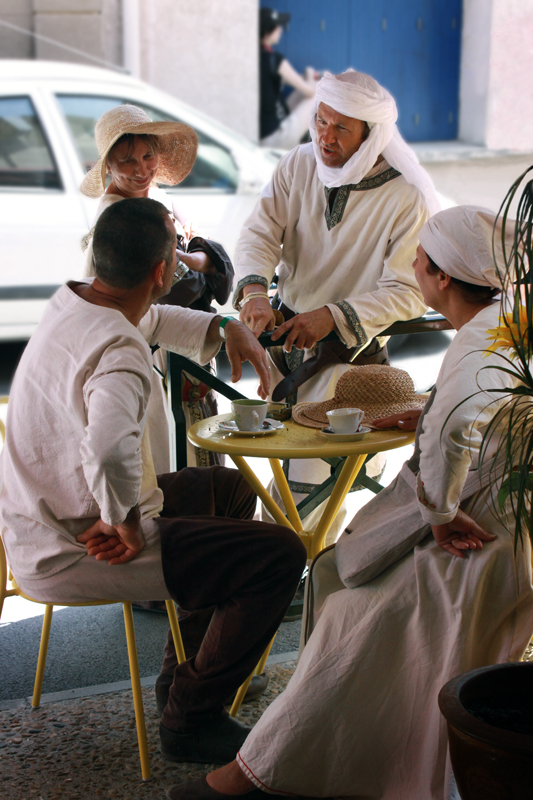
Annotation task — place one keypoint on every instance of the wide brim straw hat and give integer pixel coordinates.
(377, 389)
(178, 144)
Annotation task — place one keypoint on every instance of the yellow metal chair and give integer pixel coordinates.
(3, 399)
(6, 577)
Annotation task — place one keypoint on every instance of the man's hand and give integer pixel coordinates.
(304, 330)
(115, 544)
(258, 315)
(461, 534)
(406, 420)
(241, 345)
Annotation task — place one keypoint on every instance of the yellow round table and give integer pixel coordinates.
(295, 441)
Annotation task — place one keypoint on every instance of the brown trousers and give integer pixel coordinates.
(219, 556)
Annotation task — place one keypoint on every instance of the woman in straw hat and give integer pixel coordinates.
(423, 584)
(136, 154)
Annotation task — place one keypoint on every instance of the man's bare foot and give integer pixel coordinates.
(230, 779)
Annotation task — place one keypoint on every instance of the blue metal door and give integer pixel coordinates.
(412, 47)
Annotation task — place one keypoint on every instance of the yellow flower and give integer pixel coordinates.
(509, 333)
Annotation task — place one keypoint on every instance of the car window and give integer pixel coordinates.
(82, 114)
(214, 167)
(26, 160)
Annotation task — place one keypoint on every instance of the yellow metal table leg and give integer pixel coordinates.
(351, 467)
(239, 697)
(271, 506)
(137, 693)
(286, 496)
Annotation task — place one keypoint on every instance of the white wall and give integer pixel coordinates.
(496, 96)
(205, 53)
(14, 44)
(91, 26)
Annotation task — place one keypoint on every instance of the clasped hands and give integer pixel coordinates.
(303, 330)
(463, 533)
(115, 544)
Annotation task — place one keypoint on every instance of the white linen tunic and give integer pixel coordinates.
(72, 451)
(357, 260)
(360, 716)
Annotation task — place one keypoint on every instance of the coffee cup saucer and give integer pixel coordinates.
(345, 437)
(268, 426)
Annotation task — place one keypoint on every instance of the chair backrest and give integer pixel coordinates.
(5, 576)
(3, 399)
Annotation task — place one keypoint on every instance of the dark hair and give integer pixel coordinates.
(472, 293)
(130, 238)
(151, 140)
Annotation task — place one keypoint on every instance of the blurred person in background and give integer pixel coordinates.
(283, 122)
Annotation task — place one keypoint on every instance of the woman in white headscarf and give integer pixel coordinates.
(423, 584)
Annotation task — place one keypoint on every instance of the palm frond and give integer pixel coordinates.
(515, 416)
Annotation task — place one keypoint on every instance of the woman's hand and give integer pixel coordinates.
(461, 534)
(406, 420)
(198, 262)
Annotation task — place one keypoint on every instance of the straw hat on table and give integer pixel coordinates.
(178, 144)
(375, 388)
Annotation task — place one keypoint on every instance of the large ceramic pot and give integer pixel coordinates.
(489, 712)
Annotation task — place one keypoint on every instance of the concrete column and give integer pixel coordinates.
(15, 44)
(496, 101)
(90, 26)
(131, 42)
(205, 53)
(510, 107)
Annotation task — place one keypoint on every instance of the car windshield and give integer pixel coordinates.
(214, 168)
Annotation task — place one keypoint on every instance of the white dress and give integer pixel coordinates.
(360, 716)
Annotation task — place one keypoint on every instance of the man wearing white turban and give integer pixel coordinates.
(416, 590)
(339, 223)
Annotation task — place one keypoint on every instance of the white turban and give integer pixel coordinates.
(359, 96)
(460, 241)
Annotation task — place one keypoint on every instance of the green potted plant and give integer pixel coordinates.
(489, 711)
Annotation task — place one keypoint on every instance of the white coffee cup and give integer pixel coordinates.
(249, 415)
(345, 420)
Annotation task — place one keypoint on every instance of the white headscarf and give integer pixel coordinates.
(359, 96)
(460, 241)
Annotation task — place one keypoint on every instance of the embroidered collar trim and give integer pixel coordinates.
(334, 216)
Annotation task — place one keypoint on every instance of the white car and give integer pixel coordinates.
(47, 116)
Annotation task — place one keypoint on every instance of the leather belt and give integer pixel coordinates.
(327, 353)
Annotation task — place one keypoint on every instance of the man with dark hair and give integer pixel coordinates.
(124, 260)
(79, 494)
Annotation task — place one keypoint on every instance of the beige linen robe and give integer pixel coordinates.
(360, 716)
(356, 260)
